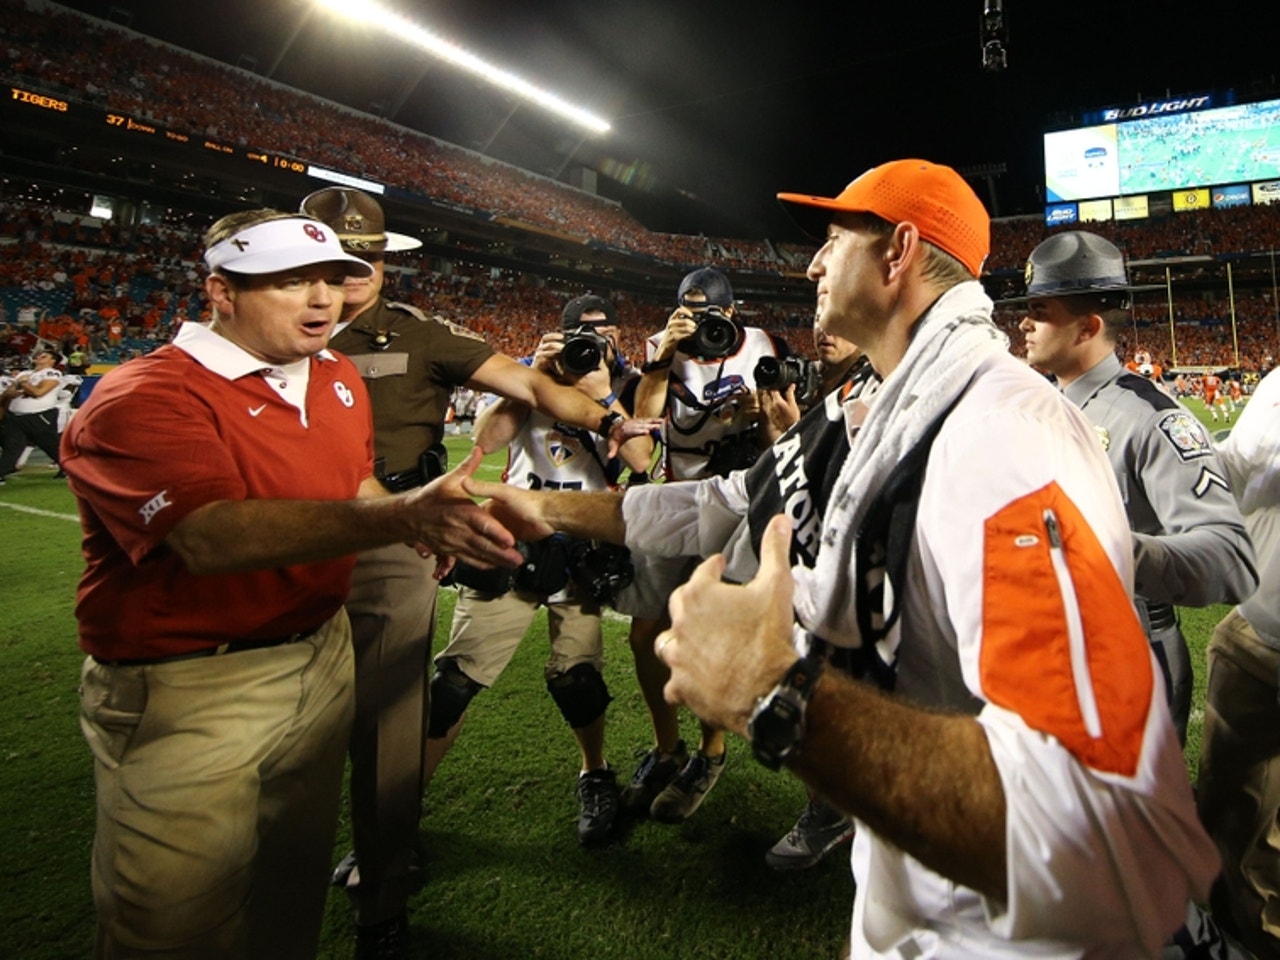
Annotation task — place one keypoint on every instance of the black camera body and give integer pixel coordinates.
(601, 570)
(583, 350)
(717, 336)
(774, 373)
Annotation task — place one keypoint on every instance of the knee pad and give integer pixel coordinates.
(451, 691)
(580, 693)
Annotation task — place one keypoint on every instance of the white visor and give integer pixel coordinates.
(283, 245)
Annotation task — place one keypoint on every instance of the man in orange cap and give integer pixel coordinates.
(1017, 778)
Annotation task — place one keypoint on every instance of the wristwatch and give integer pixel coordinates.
(607, 422)
(776, 726)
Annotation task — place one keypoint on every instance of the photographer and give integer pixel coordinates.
(571, 578)
(699, 375)
(788, 387)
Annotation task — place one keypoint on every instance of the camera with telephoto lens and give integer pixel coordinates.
(601, 570)
(716, 336)
(583, 350)
(774, 373)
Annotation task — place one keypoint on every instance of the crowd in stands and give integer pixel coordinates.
(69, 55)
(64, 54)
(68, 280)
(1234, 230)
(114, 292)
(1202, 334)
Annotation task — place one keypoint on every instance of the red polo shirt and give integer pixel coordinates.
(163, 435)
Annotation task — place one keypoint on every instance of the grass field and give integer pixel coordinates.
(505, 875)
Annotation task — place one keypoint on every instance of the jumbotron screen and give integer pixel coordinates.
(1232, 144)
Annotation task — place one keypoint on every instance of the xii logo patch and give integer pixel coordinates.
(154, 506)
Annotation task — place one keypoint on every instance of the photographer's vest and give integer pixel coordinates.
(549, 455)
(704, 398)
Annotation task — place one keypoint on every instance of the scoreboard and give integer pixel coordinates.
(81, 119)
(1171, 155)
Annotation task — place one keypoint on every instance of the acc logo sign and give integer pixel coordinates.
(344, 394)
(561, 447)
(314, 232)
(1184, 431)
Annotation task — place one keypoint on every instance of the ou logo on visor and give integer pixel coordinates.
(344, 394)
(314, 232)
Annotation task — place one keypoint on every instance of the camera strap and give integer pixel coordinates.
(686, 396)
(588, 440)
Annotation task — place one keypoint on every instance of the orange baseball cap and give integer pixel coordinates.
(934, 197)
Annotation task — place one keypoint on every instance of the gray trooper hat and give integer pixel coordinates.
(1074, 262)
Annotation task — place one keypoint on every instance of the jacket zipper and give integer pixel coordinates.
(1075, 629)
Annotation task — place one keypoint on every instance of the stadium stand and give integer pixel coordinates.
(118, 290)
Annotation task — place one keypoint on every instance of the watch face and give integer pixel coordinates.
(776, 729)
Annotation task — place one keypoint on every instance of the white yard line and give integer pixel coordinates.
(40, 513)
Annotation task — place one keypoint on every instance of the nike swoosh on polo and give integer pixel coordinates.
(254, 411)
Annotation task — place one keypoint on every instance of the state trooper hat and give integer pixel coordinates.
(358, 220)
(1075, 262)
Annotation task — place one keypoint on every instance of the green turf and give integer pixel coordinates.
(505, 875)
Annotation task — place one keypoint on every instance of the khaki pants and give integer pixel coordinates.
(393, 610)
(1239, 790)
(218, 781)
(488, 630)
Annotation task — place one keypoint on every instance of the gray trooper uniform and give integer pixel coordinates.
(1190, 544)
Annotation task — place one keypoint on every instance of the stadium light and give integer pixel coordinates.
(393, 23)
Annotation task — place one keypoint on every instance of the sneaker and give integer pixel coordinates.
(685, 793)
(388, 940)
(653, 774)
(597, 805)
(346, 876)
(820, 829)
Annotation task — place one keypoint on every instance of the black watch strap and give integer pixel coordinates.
(607, 422)
(777, 724)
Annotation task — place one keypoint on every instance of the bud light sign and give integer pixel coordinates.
(1058, 214)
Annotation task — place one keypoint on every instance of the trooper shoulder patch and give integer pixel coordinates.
(1186, 435)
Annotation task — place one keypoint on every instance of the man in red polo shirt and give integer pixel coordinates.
(225, 484)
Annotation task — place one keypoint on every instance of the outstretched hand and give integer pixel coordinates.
(729, 645)
(447, 522)
(517, 509)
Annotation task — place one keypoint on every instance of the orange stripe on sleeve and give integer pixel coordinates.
(1025, 663)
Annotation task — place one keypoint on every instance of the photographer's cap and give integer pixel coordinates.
(284, 244)
(358, 219)
(714, 285)
(571, 316)
(934, 197)
(1074, 262)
